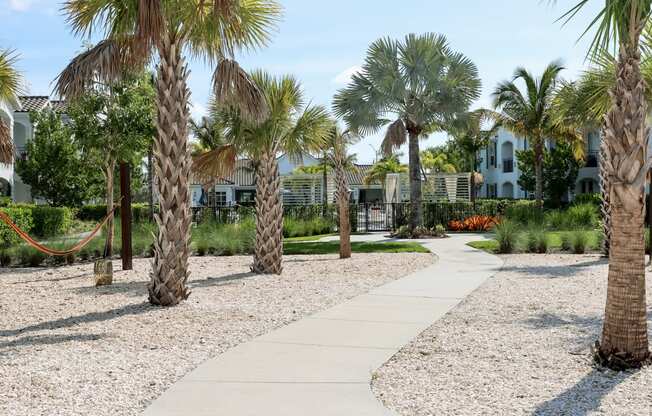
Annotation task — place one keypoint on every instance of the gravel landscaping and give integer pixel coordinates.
(519, 345)
(68, 348)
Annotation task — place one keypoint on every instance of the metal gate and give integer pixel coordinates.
(379, 217)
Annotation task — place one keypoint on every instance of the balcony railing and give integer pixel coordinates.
(508, 165)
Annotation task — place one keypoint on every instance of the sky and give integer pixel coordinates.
(323, 42)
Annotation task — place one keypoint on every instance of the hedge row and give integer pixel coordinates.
(96, 213)
(37, 220)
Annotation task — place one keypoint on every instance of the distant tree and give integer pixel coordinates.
(382, 168)
(560, 170)
(442, 159)
(112, 124)
(53, 167)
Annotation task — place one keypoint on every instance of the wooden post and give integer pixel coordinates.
(125, 216)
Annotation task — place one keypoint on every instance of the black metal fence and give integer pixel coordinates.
(364, 217)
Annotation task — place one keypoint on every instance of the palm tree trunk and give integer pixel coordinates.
(343, 204)
(538, 172)
(416, 214)
(150, 183)
(624, 335)
(169, 275)
(108, 245)
(605, 190)
(268, 250)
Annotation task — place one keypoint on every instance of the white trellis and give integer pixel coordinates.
(438, 187)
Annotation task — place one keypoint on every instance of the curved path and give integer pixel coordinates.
(322, 365)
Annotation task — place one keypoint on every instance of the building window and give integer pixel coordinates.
(216, 199)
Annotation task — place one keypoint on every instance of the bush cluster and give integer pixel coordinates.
(96, 213)
(304, 228)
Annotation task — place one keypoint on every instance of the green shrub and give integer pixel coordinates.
(5, 258)
(556, 220)
(440, 230)
(95, 213)
(584, 216)
(22, 217)
(536, 241)
(579, 240)
(213, 238)
(507, 234)
(51, 221)
(525, 213)
(305, 228)
(5, 201)
(403, 232)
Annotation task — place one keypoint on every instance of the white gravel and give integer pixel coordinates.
(68, 348)
(519, 345)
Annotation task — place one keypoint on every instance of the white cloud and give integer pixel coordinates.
(20, 5)
(344, 77)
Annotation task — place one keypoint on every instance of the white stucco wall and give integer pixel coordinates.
(23, 132)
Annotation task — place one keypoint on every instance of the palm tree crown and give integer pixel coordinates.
(10, 88)
(419, 83)
(529, 114)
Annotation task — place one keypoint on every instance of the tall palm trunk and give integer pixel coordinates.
(150, 183)
(605, 190)
(343, 205)
(416, 209)
(110, 233)
(538, 172)
(167, 286)
(624, 335)
(268, 251)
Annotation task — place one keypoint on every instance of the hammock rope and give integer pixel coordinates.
(51, 252)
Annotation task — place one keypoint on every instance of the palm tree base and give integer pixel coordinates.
(617, 361)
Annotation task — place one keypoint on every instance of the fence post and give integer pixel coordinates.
(366, 217)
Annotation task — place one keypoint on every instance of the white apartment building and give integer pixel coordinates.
(498, 165)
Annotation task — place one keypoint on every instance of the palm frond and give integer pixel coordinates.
(6, 144)
(233, 86)
(106, 62)
(11, 83)
(213, 165)
(395, 137)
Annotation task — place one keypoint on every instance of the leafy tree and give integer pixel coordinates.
(620, 25)
(529, 114)
(112, 124)
(382, 168)
(441, 159)
(291, 127)
(138, 32)
(421, 82)
(10, 88)
(53, 167)
(560, 169)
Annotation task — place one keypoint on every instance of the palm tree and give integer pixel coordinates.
(468, 133)
(291, 127)
(340, 161)
(382, 168)
(530, 116)
(624, 335)
(10, 88)
(135, 32)
(422, 83)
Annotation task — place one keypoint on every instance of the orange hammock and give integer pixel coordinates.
(51, 252)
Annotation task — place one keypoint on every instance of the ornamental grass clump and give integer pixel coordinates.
(536, 241)
(579, 241)
(507, 234)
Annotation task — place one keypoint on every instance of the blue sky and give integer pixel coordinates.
(321, 42)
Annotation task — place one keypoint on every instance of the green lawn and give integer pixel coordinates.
(490, 246)
(333, 247)
(308, 238)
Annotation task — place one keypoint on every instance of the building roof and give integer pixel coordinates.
(243, 175)
(27, 103)
(32, 103)
(356, 176)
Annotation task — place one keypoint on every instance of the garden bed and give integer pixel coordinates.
(67, 348)
(519, 345)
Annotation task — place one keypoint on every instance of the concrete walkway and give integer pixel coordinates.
(322, 365)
